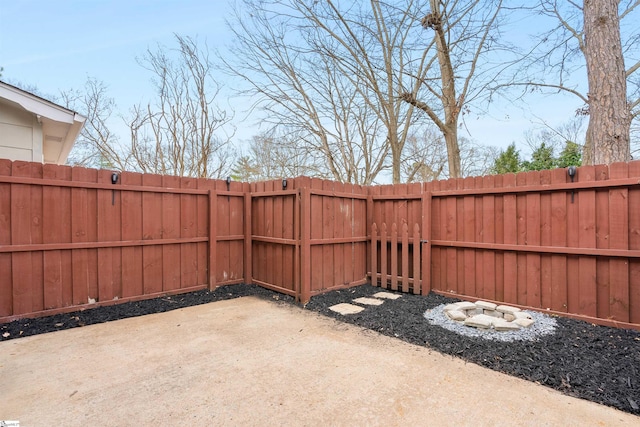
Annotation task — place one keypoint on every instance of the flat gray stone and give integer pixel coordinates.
(509, 317)
(503, 325)
(456, 315)
(525, 323)
(386, 295)
(493, 313)
(368, 301)
(451, 307)
(486, 305)
(466, 305)
(344, 308)
(480, 321)
(507, 309)
(522, 315)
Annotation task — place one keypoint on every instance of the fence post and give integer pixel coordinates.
(405, 257)
(416, 259)
(426, 242)
(305, 249)
(394, 257)
(383, 256)
(374, 254)
(213, 197)
(248, 274)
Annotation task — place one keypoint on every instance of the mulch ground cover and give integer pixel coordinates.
(596, 363)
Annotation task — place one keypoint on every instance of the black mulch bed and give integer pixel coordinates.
(591, 362)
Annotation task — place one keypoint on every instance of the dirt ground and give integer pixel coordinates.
(249, 361)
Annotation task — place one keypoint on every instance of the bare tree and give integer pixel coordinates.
(273, 156)
(97, 146)
(425, 156)
(463, 36)
(334, 72)
(183, 132)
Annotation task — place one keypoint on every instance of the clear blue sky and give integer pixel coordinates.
(56, 45)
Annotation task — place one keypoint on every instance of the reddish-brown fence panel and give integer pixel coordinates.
(538, 240)
(275, 238)
(399, 206)
(337, 235)
(72, 238)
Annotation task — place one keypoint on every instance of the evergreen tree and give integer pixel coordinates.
(508, 161)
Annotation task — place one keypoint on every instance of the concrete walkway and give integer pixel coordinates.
(247, 362)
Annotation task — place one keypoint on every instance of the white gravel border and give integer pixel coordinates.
(544, 325)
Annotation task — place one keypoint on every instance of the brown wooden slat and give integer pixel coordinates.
(618, 221)
(587, 239)
(131, 211)
(558, 280)
(152, 229)
(6, 283)
(533, 292)
(171, 268)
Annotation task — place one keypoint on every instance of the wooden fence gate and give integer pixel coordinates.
(396, 258)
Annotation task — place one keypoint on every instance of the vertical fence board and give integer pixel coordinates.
(602, 241)
(499, 238)
(450, 227)
(278, 232)
(559, 239)
(131, 210)
(618, 202)
(170, 230)
(405, 257)
(511, 238)
(545, 240)
(521, 258)
(394, 257)
(424, 249)
(289, 221)
(56, 203)
(107, 211)
(383, 256)
(587, 239)
(489, 225)
(22, 270)
(469, 224)
(374, 254)
(6, 285)
(188, 229)
(533, 238)
(634, 243)
(152, 230)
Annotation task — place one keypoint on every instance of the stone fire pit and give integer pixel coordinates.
(487, 315)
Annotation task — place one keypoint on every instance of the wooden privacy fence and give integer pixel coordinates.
(532, 239)
(69, 237)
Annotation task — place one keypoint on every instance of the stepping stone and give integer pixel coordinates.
(368, 301)
(386, 295)
(345, 308)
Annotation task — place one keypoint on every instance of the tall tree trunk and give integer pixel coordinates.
(448, 96)
(608, 133)
(453, 150)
